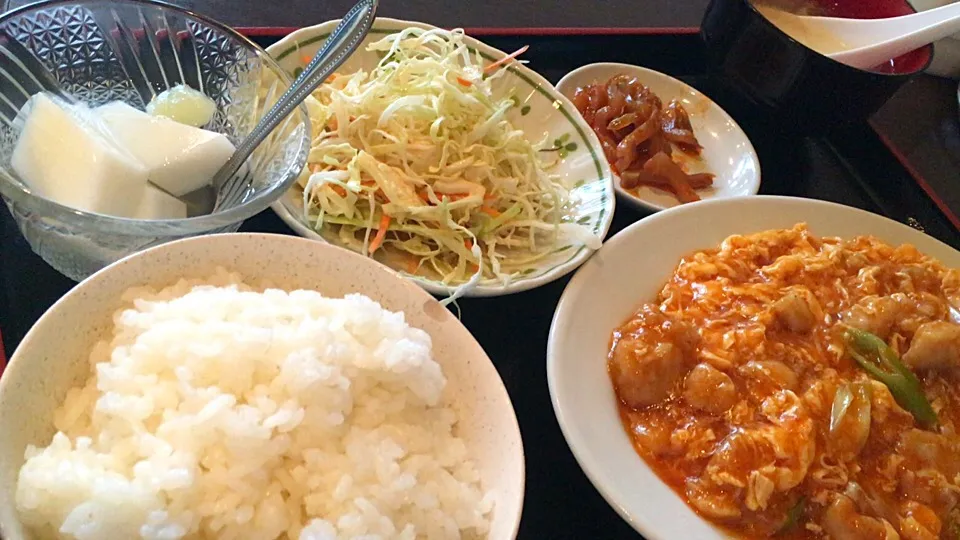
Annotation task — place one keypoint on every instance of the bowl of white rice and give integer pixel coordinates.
(254, 386)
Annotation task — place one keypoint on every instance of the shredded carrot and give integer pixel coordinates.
(490, 197)
(338, 190)
(492, 67)
(424, 196)
(464, 82)
(468, 243)
(333, 76)
(306, 59)
(490, 211)
(315, 168)
(381, 233)
(412, 265)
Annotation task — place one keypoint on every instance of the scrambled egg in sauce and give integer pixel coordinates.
(738, 388)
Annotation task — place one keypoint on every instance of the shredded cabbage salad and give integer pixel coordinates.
(415, 164)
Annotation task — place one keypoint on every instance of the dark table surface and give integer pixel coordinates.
(921, 123)
(851, 167)
(458, 13)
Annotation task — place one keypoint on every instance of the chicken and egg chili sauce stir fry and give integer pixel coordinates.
(802, 387)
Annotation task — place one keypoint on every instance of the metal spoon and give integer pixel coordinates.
(344, 40)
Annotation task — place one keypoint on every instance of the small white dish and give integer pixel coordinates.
(727, 152)
(53, 356)
(541, 112)
(630, 269)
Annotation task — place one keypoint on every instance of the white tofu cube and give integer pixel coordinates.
(158, 205)
(65, 154)
(180, 158)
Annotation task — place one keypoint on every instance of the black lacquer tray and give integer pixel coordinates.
(852, 167)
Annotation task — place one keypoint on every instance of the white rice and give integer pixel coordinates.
(218, 411)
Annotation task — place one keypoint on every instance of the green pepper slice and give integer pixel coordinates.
(881, 362)
(793, 516)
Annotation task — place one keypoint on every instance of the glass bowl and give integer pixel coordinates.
(105, 50)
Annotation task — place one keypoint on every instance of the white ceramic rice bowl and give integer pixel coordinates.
(53, 356)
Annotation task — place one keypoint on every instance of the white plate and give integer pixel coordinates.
(629, 270)
(727, 152)
(53, 355)
(542, 113)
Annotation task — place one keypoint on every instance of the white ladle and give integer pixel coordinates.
(867, 43)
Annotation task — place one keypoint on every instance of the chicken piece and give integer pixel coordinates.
(871, 505)
(931, 462)
(654, 437)
(928, 450)
(651, 357)
(819, 395)
(936, 345)
(798, 311)
(645, 375)
(759, 461)
(888, 419)
(929, 487)
(842, 521)
(712, 502)
(766, 377)
(709, 389)
(914, 277)
(950, 287)
(919, 522)
(898, 312)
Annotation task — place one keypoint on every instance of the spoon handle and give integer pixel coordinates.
(879, 40)
(946, 15)
(858, 33)
(344, 39)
